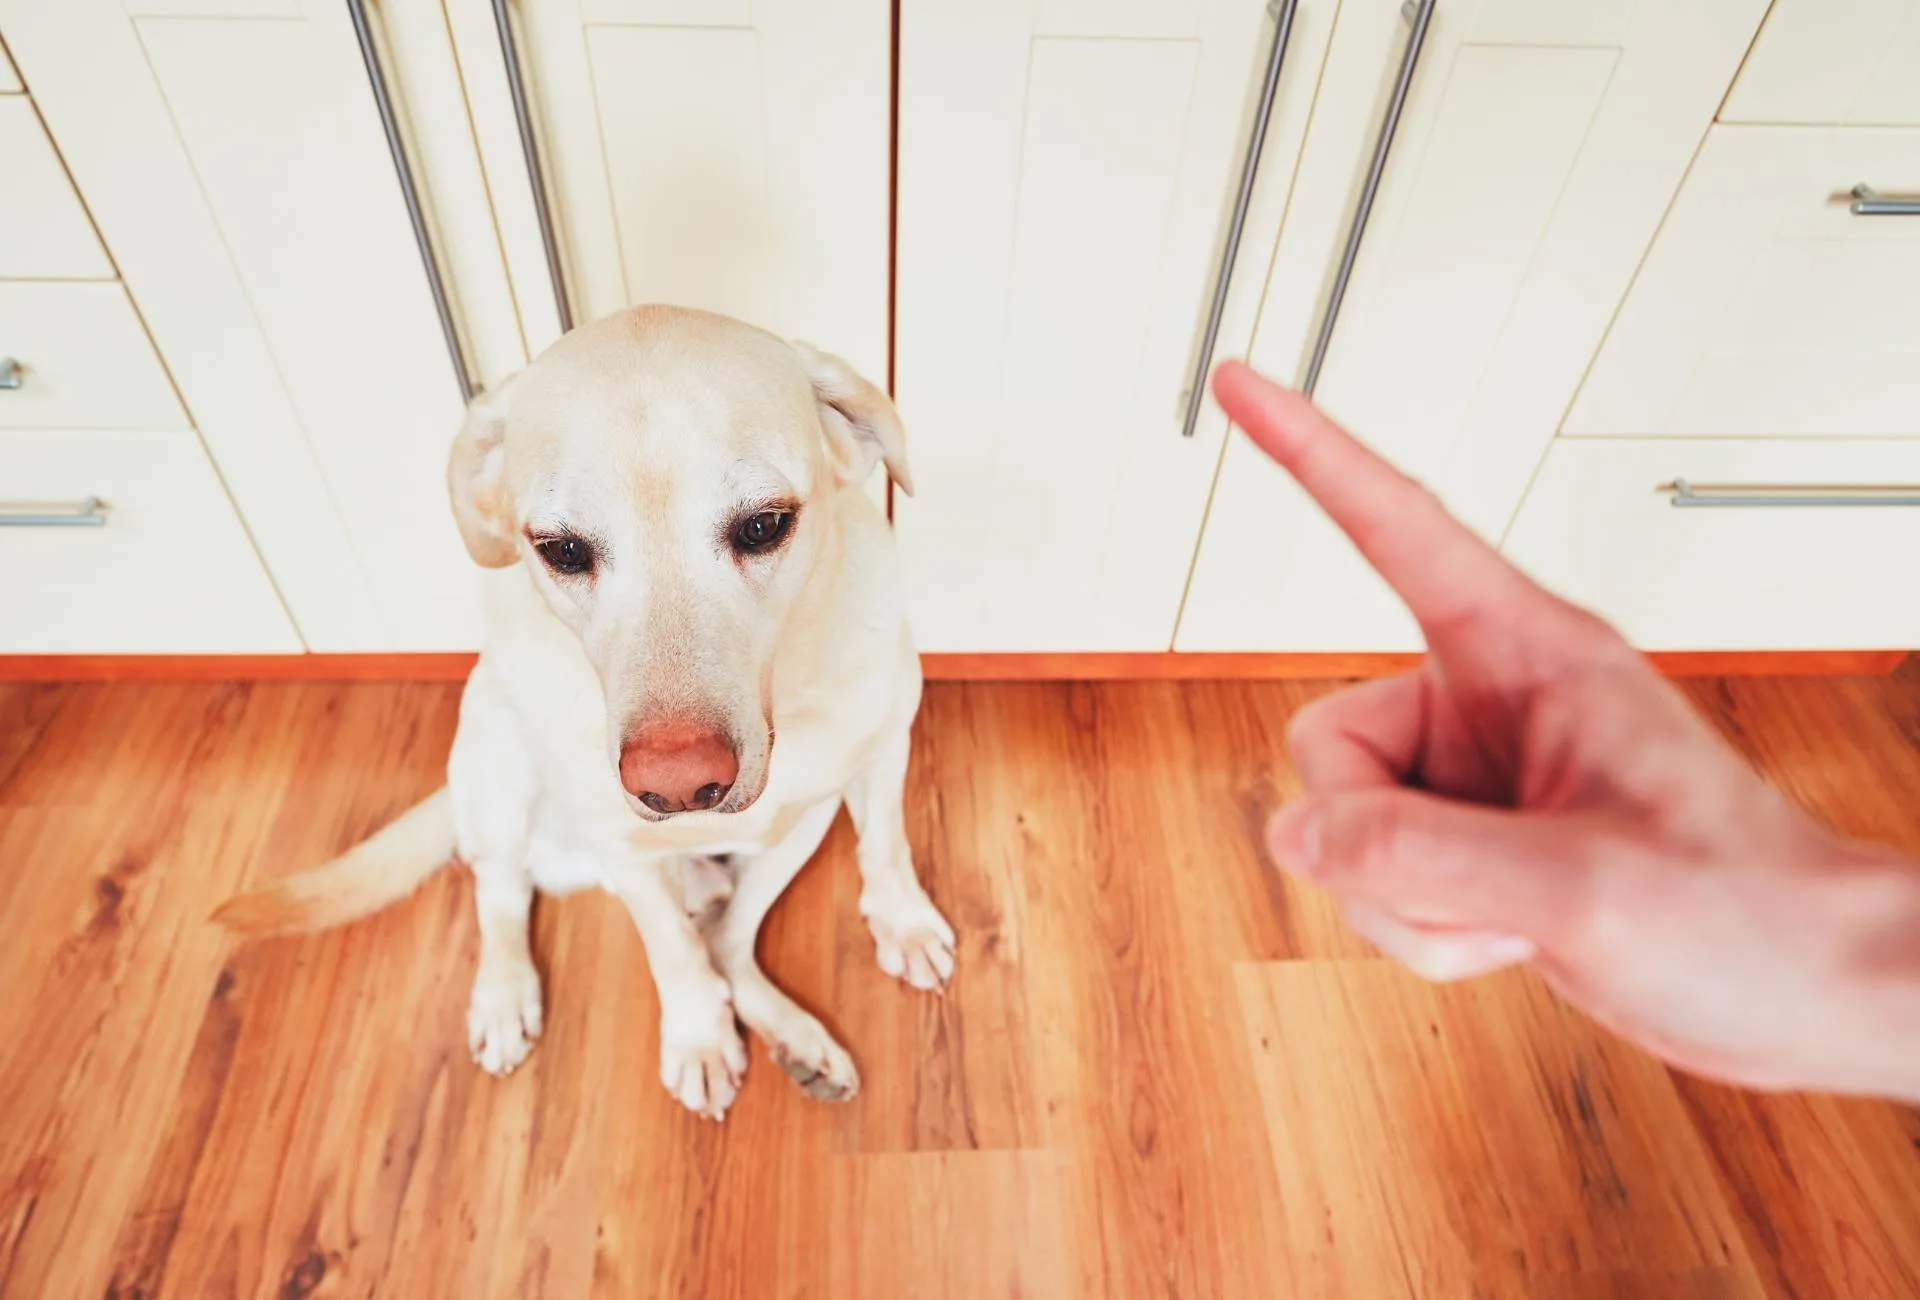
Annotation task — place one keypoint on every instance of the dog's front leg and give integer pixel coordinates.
(912, 940)
(503, 1016)
(800, 1044)
(702, 1057)
(492, 790)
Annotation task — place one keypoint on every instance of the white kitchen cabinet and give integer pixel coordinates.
(303, 189)
(1561, 241)
(1539, 146)
(82, 358)
(44, 232)
(1067, 171)
(231, 155)
(125, 543)
(1833, 62)
(1786, 552)
(1767, 307)
(730, 155)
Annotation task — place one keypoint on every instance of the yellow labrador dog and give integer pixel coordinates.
(696, 649)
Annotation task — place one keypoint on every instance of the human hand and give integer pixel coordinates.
(1536, 792)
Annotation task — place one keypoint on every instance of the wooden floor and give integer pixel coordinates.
(1162, 1071)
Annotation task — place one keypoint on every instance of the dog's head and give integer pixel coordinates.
(668, 478)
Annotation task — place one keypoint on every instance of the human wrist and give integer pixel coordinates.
(1874, 894)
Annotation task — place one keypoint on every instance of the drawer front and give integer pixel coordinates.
(169, 571)
(1767, 307)
(1598, 528)
(44, 232)
(84, 361)
(1832, 62)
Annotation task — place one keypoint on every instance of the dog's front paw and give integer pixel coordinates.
(911, 939)
(702, 1056)
(503, 1016)
(803, 1048)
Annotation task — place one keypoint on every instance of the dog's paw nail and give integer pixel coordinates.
(912, 941)
(702, 1064)
(924, 960)
(822, 1068)
(504, 1018)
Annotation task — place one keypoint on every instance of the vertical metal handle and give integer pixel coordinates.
(88, 512)
(12, 375)
(530, 151)
(390, 123)
(1869, 202)
(1282, 13)
(1418, 14)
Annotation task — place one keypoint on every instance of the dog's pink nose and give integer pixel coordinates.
(675, 767)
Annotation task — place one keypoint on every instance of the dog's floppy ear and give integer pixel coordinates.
(860, 421)
(477, 481)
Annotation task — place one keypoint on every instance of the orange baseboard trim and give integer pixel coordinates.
(1299, 667)
(1161, 666)
(237, 668)
(939, 667)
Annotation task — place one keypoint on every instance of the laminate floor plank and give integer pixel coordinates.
(1163, 1071)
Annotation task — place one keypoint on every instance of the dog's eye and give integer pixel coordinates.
(565, 554)
(762, 532)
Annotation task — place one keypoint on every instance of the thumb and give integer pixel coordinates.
(1437, 862)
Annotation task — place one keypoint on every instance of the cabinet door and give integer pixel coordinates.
(44, 233)
(723, 154)
(1828, 62)
(1540, 144)
(1789, 555)
(1067, 171)
(164, 568)
(1767, 308)
(231, 154)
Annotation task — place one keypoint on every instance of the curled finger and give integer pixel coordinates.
(1442, 956)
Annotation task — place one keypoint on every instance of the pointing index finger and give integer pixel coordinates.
(1440, 567)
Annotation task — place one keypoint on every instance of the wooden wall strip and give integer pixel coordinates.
(939, 667)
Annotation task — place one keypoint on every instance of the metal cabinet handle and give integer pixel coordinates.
(530, 151)
(12, 374)
(1695, 495)
(1282, 11)
(89, 512)
(390, 123)
(1869, 202)
(1418, 14)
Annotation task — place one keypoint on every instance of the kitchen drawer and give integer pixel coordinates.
(1600, 526)
(44, 232)
(1766, 307)
(170, 571)
(1832, 62)
(84, 358)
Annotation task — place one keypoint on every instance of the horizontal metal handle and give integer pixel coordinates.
(1869, 202)
(90, 512)
(1695, 495)
(11, 373)
(1242, 202)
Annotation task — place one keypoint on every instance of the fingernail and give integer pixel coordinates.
(1293, 838)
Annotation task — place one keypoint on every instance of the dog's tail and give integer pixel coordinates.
(375, 873)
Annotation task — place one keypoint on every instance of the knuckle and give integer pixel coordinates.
(1310, 723)
(1588, 630)
(1363, 838)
